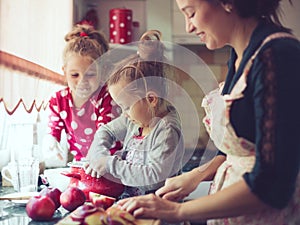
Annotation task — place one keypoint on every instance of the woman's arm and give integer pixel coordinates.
(179, 187)
(275, 89)
(232, 201)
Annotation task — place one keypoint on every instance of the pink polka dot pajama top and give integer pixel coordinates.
(80, 124)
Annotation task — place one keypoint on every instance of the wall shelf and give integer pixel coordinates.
(103, 7)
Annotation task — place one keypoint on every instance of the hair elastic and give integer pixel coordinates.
(83, 34)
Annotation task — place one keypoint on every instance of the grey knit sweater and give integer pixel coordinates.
(163, 151)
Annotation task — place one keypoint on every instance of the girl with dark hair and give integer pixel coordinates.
(255, 176)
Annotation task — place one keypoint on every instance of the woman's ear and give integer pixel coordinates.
(152, 98)
(227, 7)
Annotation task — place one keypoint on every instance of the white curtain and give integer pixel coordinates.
(34, 31)
(18, 88)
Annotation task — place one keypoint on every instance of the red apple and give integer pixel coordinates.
(102, 201)
(53, 193)
(83, 211)
(71, 198)
(40, 208)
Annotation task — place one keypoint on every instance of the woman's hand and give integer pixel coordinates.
(151, 206)
(179, 187)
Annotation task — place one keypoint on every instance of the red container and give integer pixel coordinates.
(88, 183)
(120, 26)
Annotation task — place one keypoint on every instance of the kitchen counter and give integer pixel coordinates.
(17, 214)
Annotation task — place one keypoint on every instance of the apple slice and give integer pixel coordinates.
(116, 220)
(101, 201)
(82, 211)
(69, 221)
(115, 212)
(97, 218)
(92, 194)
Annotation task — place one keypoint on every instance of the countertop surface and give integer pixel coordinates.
(15, 214)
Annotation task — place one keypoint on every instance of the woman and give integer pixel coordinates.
(255, 174)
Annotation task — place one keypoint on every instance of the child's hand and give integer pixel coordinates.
(178, 187)
(96, 168)
(51, 146)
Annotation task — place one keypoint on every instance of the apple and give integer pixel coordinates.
(101, 201)
(97, 218)
(72, 198)
(82, 211)
(53, 193)
(40, 208)
(92, 194)
(116, 214)
(116, 220)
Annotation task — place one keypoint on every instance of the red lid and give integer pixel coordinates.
(121, 10)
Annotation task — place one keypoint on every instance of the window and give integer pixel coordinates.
(33, 31)
(19, 131)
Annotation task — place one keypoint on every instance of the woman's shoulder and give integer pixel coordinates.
(283, 42)
(270, 35)
(280, 57)
(283, 51)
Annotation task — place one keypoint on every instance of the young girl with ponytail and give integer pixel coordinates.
(149, 126)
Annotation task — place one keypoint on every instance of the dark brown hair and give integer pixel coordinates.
(268, 9)
(85, 41)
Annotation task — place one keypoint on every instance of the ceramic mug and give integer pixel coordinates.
(23, 174)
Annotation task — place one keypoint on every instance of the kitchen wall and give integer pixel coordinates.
(290, 15)
(138, 7)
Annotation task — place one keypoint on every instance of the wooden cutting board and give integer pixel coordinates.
(68, 221)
